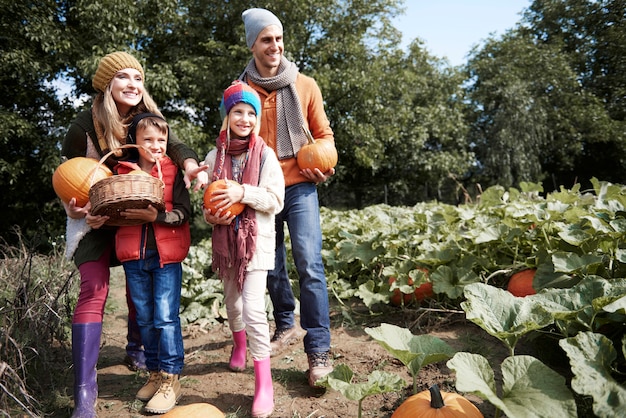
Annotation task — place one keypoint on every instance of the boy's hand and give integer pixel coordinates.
(148, 214)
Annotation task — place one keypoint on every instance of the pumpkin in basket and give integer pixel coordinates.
(317, 154)
(75, 176)
(433, 403)
(235, 208)
(195, 410)
(139, 173)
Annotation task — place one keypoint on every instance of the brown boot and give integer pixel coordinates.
(319, 366)
(149, 388)
(283, 338)
(167, 396)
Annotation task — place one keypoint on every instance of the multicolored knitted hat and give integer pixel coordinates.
(239, 92)
(111, 64)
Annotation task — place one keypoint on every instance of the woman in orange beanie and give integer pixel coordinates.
(120, 95)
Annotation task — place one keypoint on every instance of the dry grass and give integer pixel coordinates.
(37, 297)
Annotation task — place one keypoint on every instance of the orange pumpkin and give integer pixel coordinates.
(139, 173)
(521, 283)
(73, 178)
(433, 403)
(397, 297)
(235, 208)
(194, 410)
(317, 154)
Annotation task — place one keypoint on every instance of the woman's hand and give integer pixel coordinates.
(194, 171)
(221, 217)
(76, 212)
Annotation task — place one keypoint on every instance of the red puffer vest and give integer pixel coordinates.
(172, 241)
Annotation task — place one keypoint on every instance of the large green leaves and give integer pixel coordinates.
(591, 358)
(530, 389)
(503, 315)
(414, 351)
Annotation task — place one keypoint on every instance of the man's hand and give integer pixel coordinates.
(316, 176)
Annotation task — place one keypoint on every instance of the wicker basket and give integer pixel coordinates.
(113, 195)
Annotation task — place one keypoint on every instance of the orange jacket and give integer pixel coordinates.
(314, 115)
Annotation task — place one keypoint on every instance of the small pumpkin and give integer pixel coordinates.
(74, 177)
(397, 297)
(433, 403)
(317, 154)
(521, 283)
(424, 291)
(139, 173)
(235, 208)
(195, 410)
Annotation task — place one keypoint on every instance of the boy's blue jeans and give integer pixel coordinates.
(302, 215)
(156, 292)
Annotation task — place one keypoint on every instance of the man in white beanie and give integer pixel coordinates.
(292, 102)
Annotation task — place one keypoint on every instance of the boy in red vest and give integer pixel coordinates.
(152, 255)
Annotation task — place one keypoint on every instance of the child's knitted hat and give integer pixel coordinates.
(111, 64)
(255, 20)
(240, 92)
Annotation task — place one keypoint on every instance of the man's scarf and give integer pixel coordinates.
(290, 135)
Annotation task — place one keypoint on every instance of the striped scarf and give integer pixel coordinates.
(290, 136)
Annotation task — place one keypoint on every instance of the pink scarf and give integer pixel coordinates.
(234, 244)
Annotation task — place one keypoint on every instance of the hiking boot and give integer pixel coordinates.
(167, 396)
(149, 388)
(283, 338)
(319, 366)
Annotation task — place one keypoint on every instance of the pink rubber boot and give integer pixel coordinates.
(238, 355)
(263, 403)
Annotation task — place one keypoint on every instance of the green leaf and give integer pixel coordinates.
(503, 315)
(414, 351)
(340, 379)
(591, 356)
(530, 389)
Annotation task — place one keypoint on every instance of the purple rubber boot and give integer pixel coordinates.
(85, 350)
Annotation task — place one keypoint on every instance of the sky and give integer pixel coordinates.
(449, 28)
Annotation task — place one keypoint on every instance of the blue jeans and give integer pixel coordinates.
(156, 292)
(302, 215)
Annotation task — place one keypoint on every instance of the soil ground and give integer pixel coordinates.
(206, 377)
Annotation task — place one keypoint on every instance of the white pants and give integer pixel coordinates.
(246, 310)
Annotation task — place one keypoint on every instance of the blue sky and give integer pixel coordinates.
(449, 28)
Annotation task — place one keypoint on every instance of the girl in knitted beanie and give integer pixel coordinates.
(243, 245)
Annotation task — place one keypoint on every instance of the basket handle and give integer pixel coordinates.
(108, 154)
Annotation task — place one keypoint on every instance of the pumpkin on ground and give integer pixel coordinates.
(433, 403)
(194, 410)
(235, 208)
(421, 292)
(317, 154)
(74, 178)
(521, 283)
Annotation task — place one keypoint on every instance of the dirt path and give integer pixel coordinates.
(206, 377)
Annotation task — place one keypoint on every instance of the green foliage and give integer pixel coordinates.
(414, 351)
(530, 389)
(341, 380)
(592, 357)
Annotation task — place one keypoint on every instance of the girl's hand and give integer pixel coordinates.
(221, 217)
(233, 193)
(148, 214)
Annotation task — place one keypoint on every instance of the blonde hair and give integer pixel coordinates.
(109, 124)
